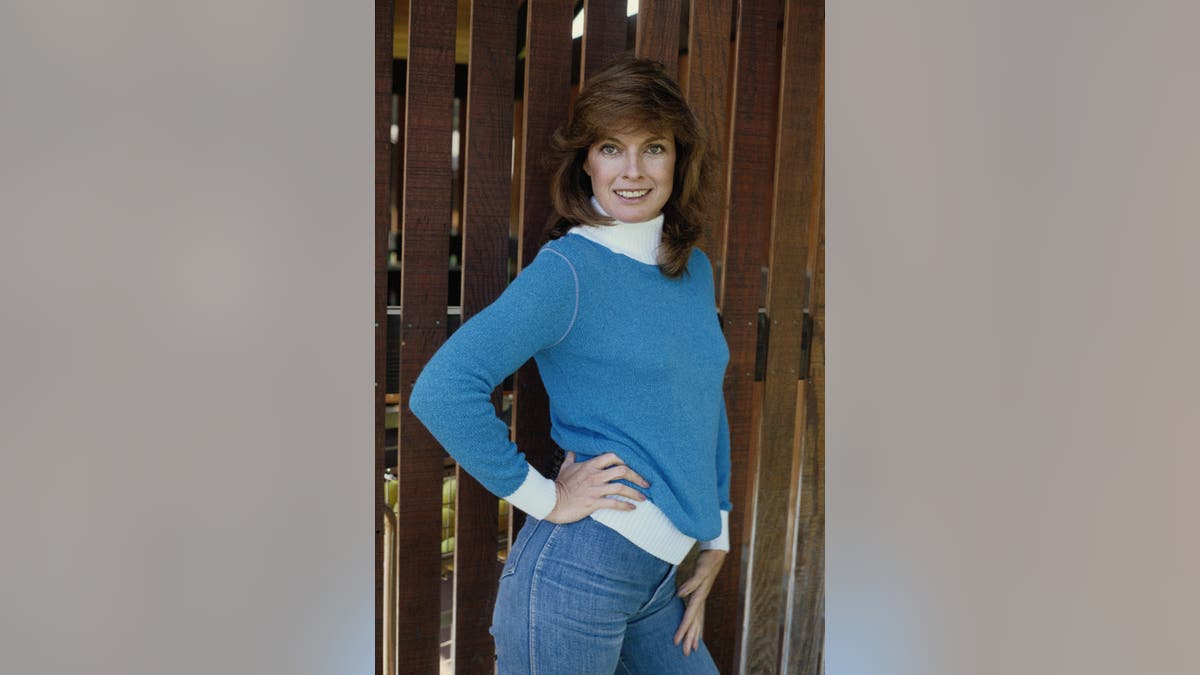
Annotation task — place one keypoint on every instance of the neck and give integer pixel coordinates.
(639, 241)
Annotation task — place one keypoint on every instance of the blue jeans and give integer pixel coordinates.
(580, 599)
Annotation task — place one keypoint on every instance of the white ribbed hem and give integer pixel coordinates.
(649, 529)
(536, 496)
(721, 543)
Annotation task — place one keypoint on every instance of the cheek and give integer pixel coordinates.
(667, 172)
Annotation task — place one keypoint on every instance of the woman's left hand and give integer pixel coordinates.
(694, 592)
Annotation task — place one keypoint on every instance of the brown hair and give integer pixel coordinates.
(635, 95)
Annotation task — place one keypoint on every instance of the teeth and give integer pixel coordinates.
(631, 194)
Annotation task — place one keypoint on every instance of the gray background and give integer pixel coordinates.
(186, 286)
(1013, 382)
(187, 371)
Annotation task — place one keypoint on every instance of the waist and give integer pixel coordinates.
(648, 528)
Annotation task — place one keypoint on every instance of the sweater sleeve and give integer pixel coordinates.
(723, 462)
(452, 396)
(723, 468)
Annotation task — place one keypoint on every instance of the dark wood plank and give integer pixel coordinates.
(708, 86)
(795, 217)
(658, 32)
(383, 148)
(487, 198)
(516, 518)
(547, 89)
(604, 26)
(706, 77)
(806, 630)
(752, 161)
(425, 252)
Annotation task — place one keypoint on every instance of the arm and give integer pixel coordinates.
(721, 543)
(695, 590)
(452, 396)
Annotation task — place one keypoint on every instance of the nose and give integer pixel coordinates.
(633, 165)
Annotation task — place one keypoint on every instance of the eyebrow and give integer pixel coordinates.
(654, 139)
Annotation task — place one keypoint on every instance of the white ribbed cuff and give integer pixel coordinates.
(536, 496)
(721, 543)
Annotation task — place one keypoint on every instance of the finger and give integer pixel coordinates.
(681, 632)
(606, 460)
(569, 458)
(697, 585)
(689, 616)
(610, 503)
(687, 587)
(612, 489)
(623, 472)
(689, 620)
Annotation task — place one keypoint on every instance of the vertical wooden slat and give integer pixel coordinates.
(547, 85)
(604, 28)
(383, 146)
(488, 183)
(805, 636)
(707, 91)
(389, 593)
(658, 32)
(425, 251)
(516, 517)
(752, 162)
(795, 217)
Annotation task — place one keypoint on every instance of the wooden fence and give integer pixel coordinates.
(454, 222)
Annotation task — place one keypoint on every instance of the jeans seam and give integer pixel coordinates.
(533, 585)
(670, 577)
(516, 559)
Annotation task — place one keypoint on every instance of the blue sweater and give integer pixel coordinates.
(633, 362)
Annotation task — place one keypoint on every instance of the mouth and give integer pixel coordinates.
(632, 195)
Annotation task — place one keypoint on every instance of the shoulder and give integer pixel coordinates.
(570, 247)
(699, 263)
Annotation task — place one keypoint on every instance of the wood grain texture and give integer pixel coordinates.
(425, 252)
(547, 85)
(390, 662)
(516, 517)
(752, 160)
(706, 74)
(658, 33)
(487, 201)
(805, 632)
(603, 34)
(796, 214)
(383, 148)
(708, 88)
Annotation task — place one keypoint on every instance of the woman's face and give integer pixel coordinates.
(632, 174)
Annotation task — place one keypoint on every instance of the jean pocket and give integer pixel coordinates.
(666, 588)
(514, 554)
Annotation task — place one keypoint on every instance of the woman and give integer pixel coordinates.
(618, 311)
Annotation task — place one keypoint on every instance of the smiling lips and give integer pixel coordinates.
(632, 194)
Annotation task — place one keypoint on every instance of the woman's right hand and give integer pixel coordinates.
(584, 487)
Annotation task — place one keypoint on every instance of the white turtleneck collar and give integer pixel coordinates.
(639, 241)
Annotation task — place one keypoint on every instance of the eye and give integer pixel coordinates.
(656, 149)
(609, 149)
